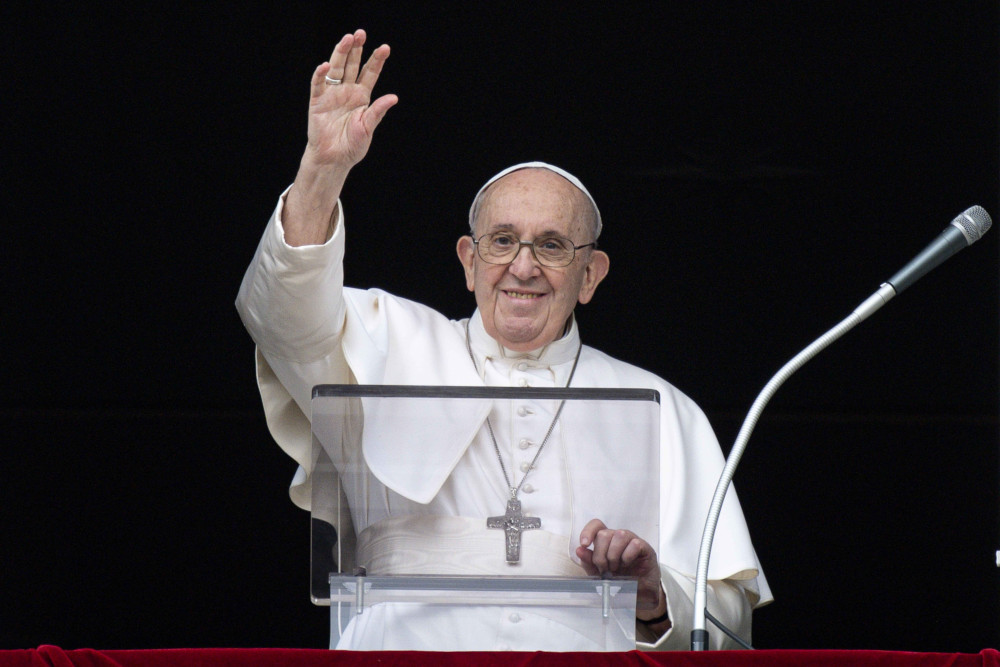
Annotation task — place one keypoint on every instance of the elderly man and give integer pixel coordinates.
(530, 258)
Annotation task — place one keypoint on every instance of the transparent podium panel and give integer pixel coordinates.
(602, 610)
(452, 510)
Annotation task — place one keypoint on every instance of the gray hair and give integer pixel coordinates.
(477, 203)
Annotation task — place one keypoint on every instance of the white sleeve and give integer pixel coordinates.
(727, 601)
(291, 302)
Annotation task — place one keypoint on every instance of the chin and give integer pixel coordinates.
(526, 341)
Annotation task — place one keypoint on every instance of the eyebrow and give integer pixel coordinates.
(507, 226)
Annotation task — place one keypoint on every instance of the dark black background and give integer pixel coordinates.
(761, 169)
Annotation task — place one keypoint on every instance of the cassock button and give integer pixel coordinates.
(522, 382)
(514, 618)
(528, 488)
(522, 366)
(523, 411)
(524, 444)
(525, 466)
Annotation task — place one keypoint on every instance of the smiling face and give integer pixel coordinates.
(525, 305)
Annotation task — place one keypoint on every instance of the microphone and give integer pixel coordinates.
(964, 230)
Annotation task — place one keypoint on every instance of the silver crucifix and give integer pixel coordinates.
(513, 522)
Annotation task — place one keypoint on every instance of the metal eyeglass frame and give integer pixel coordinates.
(530, 244)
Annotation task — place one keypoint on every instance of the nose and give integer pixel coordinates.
(525, 265)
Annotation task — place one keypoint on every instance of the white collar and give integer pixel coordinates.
(485, 348)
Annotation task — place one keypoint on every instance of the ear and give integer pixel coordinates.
(593, 274)
(466, 254)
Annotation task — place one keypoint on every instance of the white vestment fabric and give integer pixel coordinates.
(311, 330)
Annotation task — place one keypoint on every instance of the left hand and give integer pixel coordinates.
(622, 552)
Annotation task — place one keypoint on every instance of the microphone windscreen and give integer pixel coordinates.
(973, 223)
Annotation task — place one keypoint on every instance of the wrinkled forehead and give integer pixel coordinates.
(478, 200)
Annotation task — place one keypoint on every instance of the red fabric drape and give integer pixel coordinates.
(53, 656)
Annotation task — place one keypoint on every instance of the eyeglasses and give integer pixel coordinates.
(551, 251)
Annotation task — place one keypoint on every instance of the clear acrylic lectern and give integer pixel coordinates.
(416, 544)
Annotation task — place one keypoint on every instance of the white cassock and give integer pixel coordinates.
(310, 330)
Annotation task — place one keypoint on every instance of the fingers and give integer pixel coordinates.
(354, 58)
(345, 61)
(590, 531)
(318, 84)
(614, 551)
(586, 557)
(340, 55)
(370, 72)
(374, 114)
(345, 66)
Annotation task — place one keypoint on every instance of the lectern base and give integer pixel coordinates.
(467, 613)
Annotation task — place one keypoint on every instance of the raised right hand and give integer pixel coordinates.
(342, 117)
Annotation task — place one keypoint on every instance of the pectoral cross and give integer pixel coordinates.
(513, 522)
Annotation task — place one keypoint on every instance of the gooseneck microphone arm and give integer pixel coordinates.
(963, 231)
(699, 635)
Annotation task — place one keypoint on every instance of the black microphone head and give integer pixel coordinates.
(973, 223)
